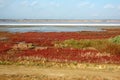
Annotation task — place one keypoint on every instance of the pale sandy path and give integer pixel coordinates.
(7, 71)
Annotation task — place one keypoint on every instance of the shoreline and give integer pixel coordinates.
(56, 24)
(57, 27)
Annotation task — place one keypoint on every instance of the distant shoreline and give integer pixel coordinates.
(60, 24)
(60, 20)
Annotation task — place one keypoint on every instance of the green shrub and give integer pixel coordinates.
(102, 45)
(115, 39)
(68, 43)
(81, 43)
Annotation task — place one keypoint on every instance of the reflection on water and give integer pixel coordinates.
(49, 29)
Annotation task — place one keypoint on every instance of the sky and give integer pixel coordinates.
(59, 9)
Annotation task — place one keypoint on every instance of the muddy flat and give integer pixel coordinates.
(13, 72)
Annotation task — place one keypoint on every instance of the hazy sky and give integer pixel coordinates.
(60, 9)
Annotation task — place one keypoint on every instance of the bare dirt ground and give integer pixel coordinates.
(14, 72)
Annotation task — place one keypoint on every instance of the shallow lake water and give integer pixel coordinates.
(49, 29)
(54, 26)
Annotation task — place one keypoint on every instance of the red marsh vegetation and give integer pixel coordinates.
(83, 47)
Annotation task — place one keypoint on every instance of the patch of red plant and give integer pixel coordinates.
(66, 54)
(47, 38)
(4, 46)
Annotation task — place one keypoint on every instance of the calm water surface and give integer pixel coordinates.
(48, 29)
